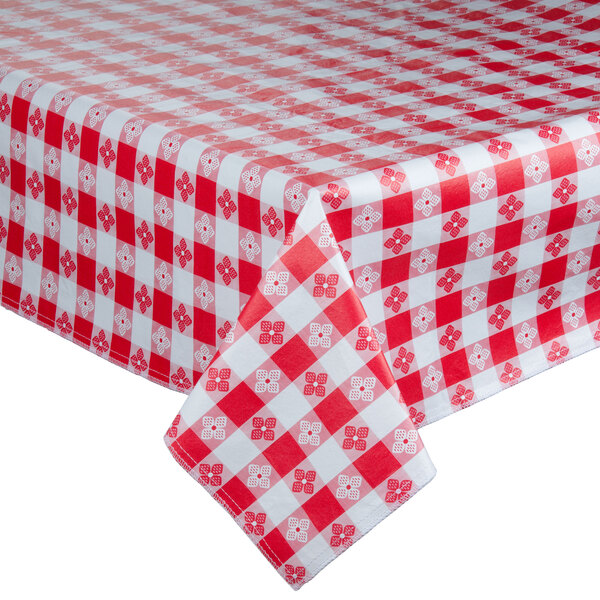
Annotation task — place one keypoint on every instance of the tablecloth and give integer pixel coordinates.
(335, 221)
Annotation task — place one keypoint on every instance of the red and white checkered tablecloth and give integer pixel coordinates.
(339, 221)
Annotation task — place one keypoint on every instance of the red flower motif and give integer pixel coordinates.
(334, 195)
(450, 337)
(416, 416)
(392, 179)
(4, 107)
(511, 374)
(138, 362)
(355, 438)
(210, 475)
(145, 235)
(105, 281)
(218, 379)
(180, 379)
(499, 316)
(227, 272)
(505, 263)
(64, 324)
(36, 122)
(462, 397)
(398, 491)
(550, 132)
(325, 285)
(71, 137)
(510, 207)
(3, 231)
(185, 187)
(395, 299)
(593, 117)
(172, 432)
(403, 360)
(304, 481)
(455, 224)
(35, 185)
(557, 352)
(255, 523)
(100, 343)
(69, 201)
(294, 574)
(564, 191)
(447, 163)
(181, 317)
(227, 204)
(32, 246)
(263, 428)
(499, 147)
(4, 171)
(366, 339)
(594, 280)
(342, 536)
(143, 299)
(398, 240)
(224, 330)
(182, 252)
(67, 264)
(315, 384)
(549, 296)
(271, 332)
(272, 221)
(27, 306)
(557, 244)
(107, 153)
(106, 217)
(145, 170)
(449, 279)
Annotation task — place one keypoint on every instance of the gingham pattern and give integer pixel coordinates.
(297, 428)
(154, 157)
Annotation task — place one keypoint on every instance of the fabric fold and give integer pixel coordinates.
(298, 428)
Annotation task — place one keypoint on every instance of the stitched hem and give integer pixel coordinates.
(492, 390)
(86, 343)
(425, 473)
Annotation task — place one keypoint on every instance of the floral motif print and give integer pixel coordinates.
(271, 332)
(334, 195)
(398, 491)
(259, 476)
(510, 207)
(392, 179)
(218, 379)
(263, 428)
(309, 433)
(395, 299)
(348, 487)
(315, 384)
(276, 283)
(213, 428)
(226, 270)
(405, 441)
(325, 285)
(367, 218)
(320, 335)
(226, 203)
(185, 186)
(355, 438)
(342, 535)
(267, 381)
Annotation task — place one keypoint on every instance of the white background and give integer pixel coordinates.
(93, 506)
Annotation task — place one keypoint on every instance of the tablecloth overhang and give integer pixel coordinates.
(338, 221)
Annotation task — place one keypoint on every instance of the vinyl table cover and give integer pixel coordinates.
(339, 221)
